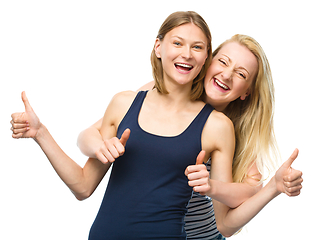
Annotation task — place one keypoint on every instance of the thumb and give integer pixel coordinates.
(27, 105)
(291, 159)
(125, 136)
(200, 157)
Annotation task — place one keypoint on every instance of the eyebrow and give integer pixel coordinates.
(238, 67)
(184, 39)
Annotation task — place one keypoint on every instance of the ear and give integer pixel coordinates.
(243, 96)
(157, 48)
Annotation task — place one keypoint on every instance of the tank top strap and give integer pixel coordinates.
(198, 123)
(137, 103)
(132, 114)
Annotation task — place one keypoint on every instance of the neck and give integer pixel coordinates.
(220, 107)
(178, 98)
(179, 94)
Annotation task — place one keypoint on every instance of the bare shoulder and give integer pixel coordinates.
(117, 109)
(123, 99)
(221, 121)
(218, 132)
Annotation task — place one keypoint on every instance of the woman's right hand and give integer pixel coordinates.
(289, 180)
(112, 148)
(25, 124)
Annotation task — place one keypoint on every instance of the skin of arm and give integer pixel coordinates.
(81, 181)
(286, 180)
(234, 194)
(230, 220)
(91, 142)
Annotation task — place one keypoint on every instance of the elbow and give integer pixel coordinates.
(82, 196)
(226, 231)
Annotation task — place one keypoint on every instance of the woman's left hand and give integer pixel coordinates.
(288, 179)
(198, 175)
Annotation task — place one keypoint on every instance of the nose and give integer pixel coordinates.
(227, 74)
(186, 52)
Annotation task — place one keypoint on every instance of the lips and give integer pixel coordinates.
(183, 67)
(220, 85)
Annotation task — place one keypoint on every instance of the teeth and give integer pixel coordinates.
(183, 65)
(221, 85)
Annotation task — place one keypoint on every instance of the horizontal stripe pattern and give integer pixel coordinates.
(200, 220)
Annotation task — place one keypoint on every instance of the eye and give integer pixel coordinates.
(222, 61)
(242, 75)
(198, 47)
(177, 43)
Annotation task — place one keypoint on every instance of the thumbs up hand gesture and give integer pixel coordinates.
(289, 180)
(25, 124)
(198, 175)
(113, 148)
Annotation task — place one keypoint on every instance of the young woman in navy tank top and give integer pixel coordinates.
(163, 131)
(155, 149)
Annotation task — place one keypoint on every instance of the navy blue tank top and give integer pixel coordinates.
(148, 191)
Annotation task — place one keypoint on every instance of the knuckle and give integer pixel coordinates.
(288, 184)
(289, 178)
(115, 155)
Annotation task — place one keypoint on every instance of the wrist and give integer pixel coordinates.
(40, 134)
(211, 193)
(272, 185)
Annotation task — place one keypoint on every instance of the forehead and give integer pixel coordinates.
(188, 31)
(239, 55)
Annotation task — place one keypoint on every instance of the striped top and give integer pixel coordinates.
(200, 220)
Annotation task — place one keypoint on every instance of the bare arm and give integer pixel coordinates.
(81, 181)
(234, 194)
(286, 180)
(90, 140)
(231, 220)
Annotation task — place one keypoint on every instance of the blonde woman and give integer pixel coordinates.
(247, 98)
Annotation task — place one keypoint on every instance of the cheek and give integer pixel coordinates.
(208, 86)
(209, 74)
(240, 87)
(201, 59)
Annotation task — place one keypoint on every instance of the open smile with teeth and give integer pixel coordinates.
(183, 66)
(222, 85)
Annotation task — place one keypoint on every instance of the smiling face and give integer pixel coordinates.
(183, 52)
(230, 75)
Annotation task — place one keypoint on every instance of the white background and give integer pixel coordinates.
(71, 57)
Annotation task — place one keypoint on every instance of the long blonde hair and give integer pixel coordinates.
(253, 117)
(172, 21)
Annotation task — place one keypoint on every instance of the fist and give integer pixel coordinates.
(288, 179)
(198, 175)
(113, 148)
(25, 124)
